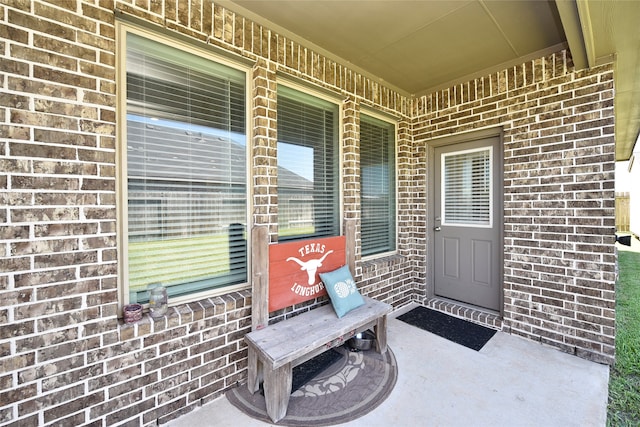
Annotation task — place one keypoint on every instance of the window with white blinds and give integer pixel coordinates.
(186, 171)
(466, 185)
(377, 185)
(308, 179)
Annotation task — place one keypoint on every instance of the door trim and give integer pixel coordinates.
(431, 214)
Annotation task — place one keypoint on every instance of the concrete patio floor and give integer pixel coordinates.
(510, 382)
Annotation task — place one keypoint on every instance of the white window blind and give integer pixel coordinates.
(377, 185)
(466, 185)
(186, 169)
(308, 179)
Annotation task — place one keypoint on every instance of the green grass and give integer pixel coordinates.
(624, 381)
(185, 259)
(176, 260)
(295, 231)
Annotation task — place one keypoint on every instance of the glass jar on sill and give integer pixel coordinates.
(158, 301)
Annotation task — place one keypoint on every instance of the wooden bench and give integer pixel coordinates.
(274, 350)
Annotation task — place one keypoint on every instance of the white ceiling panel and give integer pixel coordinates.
(419, 46)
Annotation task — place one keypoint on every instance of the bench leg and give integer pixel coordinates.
(381, 334)
(277, 389)
(254, 369)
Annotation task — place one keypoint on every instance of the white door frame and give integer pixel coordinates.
(431, 214)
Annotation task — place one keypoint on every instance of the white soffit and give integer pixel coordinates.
(419, 46)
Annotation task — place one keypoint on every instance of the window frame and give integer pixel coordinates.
(490, 185)
(392, 121)
(329, 97)
(122, 29)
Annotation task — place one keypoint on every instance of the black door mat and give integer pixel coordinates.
(303, 373)
(454, 329)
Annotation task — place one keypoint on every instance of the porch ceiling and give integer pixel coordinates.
(419, 46)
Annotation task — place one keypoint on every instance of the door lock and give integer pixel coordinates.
(438, 228)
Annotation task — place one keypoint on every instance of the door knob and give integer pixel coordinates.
(438, 228)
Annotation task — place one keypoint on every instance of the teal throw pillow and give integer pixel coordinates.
(342, 290)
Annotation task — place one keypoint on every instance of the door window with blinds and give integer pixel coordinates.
(377, 185)
(467, 188)
(185, 169)
(308, 179)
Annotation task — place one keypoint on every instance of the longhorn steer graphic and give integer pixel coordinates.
(311, 266)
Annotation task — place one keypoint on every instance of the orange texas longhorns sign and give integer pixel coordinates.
(294, 268)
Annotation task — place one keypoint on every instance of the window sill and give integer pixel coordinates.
(373, 267)
(185, 314)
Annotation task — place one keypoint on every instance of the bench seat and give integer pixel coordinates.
(276, 349)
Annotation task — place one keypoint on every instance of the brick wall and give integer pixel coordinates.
(66, 358)
(558, 124)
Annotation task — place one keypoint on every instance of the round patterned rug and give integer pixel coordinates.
(349, 388)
